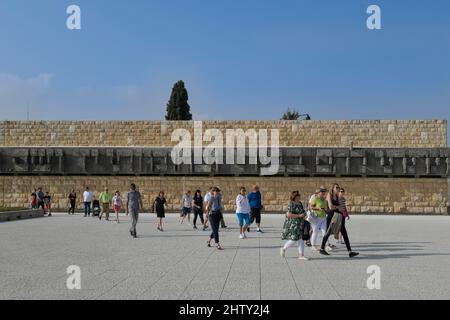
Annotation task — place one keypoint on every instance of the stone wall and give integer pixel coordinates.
(359, 133)
(364, 195)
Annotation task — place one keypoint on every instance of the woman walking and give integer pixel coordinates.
(197, 204)
(158, 206)
(333, 205)
(294, 230)
(72, 201)
(242, 212)
(187, 207)
(213, 209)
(337, 223)
(48, 203)
(117, 204)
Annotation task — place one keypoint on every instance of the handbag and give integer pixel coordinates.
(306, 229)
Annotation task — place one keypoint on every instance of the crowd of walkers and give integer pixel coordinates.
(325, 213)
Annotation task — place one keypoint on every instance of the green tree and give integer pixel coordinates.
(178, 107)
(291, 115)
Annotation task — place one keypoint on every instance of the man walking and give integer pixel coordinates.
(134, 204)
(105, 200)
(40, 199)
(255, 200)
(87, 200)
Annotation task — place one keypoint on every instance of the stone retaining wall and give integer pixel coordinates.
(364, 195)
(359, 133)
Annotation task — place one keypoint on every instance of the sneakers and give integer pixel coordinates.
(329, 248)
(353, 254)
(282, 253)
(259, 231)
(241, 236)
(322, 251)
(303, 258)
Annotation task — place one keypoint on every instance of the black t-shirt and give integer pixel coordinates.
(159, 204)
(73, 196)
(40, 196)
(198, 201)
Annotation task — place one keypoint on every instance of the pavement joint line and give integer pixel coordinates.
(228, 274)
(196, 274)
(293, 278)
(108, 290)
(328, 280)
(260, 268)
(167, 271)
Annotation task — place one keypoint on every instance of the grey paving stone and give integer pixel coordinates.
(412, 252)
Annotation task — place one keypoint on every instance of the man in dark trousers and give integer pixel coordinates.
(255, 200)
(40, 199)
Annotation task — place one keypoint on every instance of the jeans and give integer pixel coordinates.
(87, 208)
(134, 214)
(214, 220)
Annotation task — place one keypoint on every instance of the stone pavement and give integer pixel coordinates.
(412, 252)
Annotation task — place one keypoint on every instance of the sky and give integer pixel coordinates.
(240, 59)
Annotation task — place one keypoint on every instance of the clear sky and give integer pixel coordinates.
(240, 59)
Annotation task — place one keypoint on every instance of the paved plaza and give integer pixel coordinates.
(412, 252)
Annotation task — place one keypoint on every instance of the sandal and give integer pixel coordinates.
(208, 243)
(219, 247)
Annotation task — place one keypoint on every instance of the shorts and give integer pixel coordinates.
(241, 217)
(186, 211)
(255, 215)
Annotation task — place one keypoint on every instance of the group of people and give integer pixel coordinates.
(325, 213)
(39, 199)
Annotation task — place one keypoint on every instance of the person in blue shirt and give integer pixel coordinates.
(213, 209)
(255, 200)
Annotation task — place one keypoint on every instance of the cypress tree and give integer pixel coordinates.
(178, 107)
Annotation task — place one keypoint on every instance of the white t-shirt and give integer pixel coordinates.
(187, 201)
(117, 201)
(242, 205)
(87, 196)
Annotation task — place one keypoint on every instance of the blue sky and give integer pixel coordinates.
(240, 59)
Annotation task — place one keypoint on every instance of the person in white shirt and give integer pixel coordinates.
(87, 200)
(187, 207)
(117, 204)
(242, 212)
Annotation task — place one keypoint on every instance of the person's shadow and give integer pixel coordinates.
(387, 250)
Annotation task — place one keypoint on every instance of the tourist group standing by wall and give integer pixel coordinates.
(325, 213)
